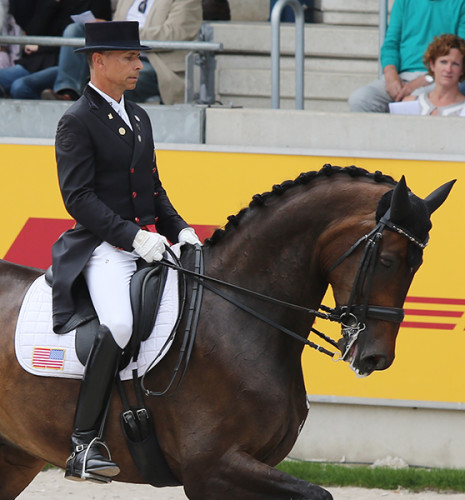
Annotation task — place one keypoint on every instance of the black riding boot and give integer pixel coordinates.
(86, 460)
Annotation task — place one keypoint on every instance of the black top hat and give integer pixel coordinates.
(112, 35)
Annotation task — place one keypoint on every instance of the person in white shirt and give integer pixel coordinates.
(445, 60)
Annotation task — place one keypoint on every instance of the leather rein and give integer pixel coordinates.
(352, 316)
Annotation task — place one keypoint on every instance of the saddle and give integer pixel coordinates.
(146, 291)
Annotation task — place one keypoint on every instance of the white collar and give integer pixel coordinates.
(119, 107)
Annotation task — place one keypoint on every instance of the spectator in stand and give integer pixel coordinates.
(8, 27)
(36, 69)
(445, 60)
(69, 63)
(163, 73)
(216, 10)
(411, 28)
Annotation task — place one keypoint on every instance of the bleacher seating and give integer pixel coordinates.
(341, 54)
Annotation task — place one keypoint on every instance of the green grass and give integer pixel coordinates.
(413, 478)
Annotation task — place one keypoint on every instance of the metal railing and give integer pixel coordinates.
(276, 52)
(205, 50)
(383, 22)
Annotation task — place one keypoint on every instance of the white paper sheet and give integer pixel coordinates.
(405, 108)
(85, 17)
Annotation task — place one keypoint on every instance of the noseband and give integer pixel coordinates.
(353, 315)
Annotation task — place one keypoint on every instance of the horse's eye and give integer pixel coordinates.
(385, 261)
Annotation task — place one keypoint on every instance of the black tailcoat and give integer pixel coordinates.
(110, 185)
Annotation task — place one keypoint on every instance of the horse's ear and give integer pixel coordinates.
(438, 196)
(400, 202)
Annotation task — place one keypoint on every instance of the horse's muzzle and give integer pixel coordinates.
(365, 359)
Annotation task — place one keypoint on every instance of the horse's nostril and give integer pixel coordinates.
(375, 362)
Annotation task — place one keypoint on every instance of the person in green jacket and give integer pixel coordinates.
(413, 25)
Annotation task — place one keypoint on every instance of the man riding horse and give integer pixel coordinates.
(110, 185)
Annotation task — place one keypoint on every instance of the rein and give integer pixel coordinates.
(352, 316)
(204, 279)
(191, 326)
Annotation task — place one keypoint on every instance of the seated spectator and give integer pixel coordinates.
(163, 72)
(411, 28)
(72, 71)
(8, 27)
(216, 10)
(36, 69)
(445, 60)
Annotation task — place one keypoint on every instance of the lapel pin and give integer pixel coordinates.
(110, 116)
(137, 118)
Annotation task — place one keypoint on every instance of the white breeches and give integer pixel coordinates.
(108, 274)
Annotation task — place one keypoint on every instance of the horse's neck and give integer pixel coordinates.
(278, 262)
(276, 249)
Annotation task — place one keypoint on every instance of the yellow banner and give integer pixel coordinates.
(208, 186)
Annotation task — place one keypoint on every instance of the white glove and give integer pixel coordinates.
(150, 246)
(187, 235)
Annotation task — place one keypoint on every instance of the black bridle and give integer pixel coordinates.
(352, 316)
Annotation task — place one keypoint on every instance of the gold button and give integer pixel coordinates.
(122, 130)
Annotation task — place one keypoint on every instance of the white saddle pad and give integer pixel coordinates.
(40, 351)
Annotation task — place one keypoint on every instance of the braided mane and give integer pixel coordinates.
(304, 178)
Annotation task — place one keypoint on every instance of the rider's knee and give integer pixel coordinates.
(121, 331)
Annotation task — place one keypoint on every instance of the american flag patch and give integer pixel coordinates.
(44, 357)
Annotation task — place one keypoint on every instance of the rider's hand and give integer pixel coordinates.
(188, 235)
(150, 246)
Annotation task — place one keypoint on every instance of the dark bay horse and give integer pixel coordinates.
(242, 401)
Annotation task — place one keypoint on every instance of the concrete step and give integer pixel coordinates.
(235, 83)
(254, 102)
(346, 12)
(346, 18)
(342, 12)
(338, 59)
(354, 6)
(311, 64)
(320, 40)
